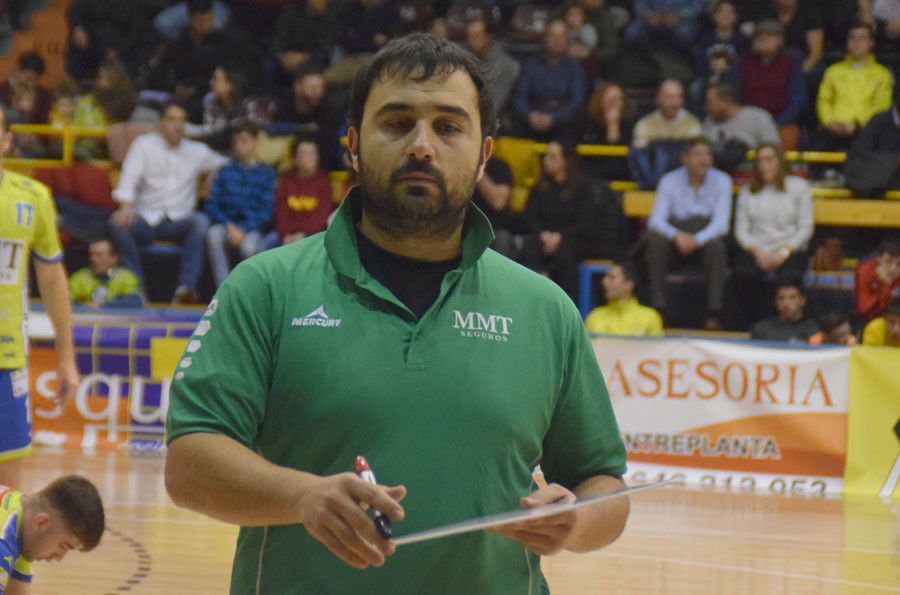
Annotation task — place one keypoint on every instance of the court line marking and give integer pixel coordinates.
(808, 577)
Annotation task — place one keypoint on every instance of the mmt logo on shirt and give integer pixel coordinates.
(478, 326)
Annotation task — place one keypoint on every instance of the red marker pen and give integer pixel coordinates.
(382, 523)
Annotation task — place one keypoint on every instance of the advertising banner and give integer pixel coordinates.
(723, 414)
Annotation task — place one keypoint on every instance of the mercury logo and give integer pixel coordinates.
(479, 326)
(317, 317)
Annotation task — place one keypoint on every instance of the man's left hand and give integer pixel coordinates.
(545, 536)
(68, 378)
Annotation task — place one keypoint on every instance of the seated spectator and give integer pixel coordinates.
(660, 135)
(605, 21)
(582, 34)
(557, 216)
(789, 325)
(185, 66)
(239, 204)
(877, 281)
(492, 194)
(804, 33)
(734, 128)
(366, 27)
(502, 68)
(773, 224)
(872, 163)
(716, 53)
(174, 20)
(226, 103)
(610, 122)
(28, 69)
(103, 283)
(101, 26)
(112, 100)
(659, 20)
(852, 91)
(311, 109)
(305, 36)
(622, 314)
(303, 198)
(773, 80)
(157, 195)
(884, 15)
(690, 219)
(835, 329)
(885, 330)
(552, 89)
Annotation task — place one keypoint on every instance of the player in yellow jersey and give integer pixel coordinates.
(27, 225)
(66, 515)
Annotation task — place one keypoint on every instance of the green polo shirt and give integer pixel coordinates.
(308, 360)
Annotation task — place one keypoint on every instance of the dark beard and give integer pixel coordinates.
(416, 212)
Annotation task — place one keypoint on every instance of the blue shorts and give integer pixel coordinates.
(15, 417)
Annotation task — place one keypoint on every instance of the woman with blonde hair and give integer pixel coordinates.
(773, 224)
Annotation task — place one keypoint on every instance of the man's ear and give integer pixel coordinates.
(487, 149)
(40, 521)
(353, 147)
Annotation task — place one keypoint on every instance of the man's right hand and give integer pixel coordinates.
(122, 217)
(332, 509)
(685, 242)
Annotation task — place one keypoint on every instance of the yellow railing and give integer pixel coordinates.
(69, 134)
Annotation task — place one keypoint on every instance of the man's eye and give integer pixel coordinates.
(397, 125)
(447, 128)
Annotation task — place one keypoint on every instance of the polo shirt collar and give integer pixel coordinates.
(343, 251)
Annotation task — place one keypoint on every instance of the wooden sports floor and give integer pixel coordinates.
(677, 541)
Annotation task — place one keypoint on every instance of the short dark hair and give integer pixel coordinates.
(889, 246)
(418, 57)
(245, 125)
(308, 70)
(489, 27)
(31, 61)
(831, 320)
(195, 6)
(791, 282)
(77, 500)
(893, 308)
(173, 103)
(113, 247)
(727, 91)
(694, 141)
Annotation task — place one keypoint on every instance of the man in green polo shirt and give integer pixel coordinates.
(398, 335)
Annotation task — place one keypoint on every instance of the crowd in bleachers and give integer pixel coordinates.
(255, 92)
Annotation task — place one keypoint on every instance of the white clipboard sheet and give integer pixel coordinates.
(521, 514)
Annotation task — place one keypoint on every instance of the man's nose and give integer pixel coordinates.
(421, 147)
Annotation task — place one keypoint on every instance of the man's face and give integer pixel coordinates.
(839, 334)
(789, 304)
(48, 538)
(715, 107)
(725, 16)
(556, 40)
(306, 159)
(859, 43)
(892, 326)
(670, 99)
(245, 146)
(419, 153)
(101, 257)
(477, 38)
(698, 159)
(171, 125)
(889, 265)
(767, 44)
(201, 23)
(616, 286)
(26, 76)
(311, 88)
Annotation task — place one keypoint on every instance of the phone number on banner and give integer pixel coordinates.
(789, 485)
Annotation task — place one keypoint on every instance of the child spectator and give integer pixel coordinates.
(878, 281)
(582, 35)
(225, 104)
(303, 200)
(112, 100)
(790, 324)
(103, 283)
(884, 330)
(835, 330)
(623, 314)
(28, 69)
(45, 526)
(239, 204)
(717, 52)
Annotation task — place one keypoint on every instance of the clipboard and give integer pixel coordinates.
(521, 514)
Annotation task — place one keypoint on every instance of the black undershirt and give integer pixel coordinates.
(416, 283)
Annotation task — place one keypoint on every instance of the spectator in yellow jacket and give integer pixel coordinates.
(103, 283)
(852, 91)
(884, 330)
(622, 314)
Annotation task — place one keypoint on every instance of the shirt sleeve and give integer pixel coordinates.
(222, 381)
(662, 205)
(46, 246)
(132, 170)
(825, 98)
(21, 570)
(583, 440)
(718, 225)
